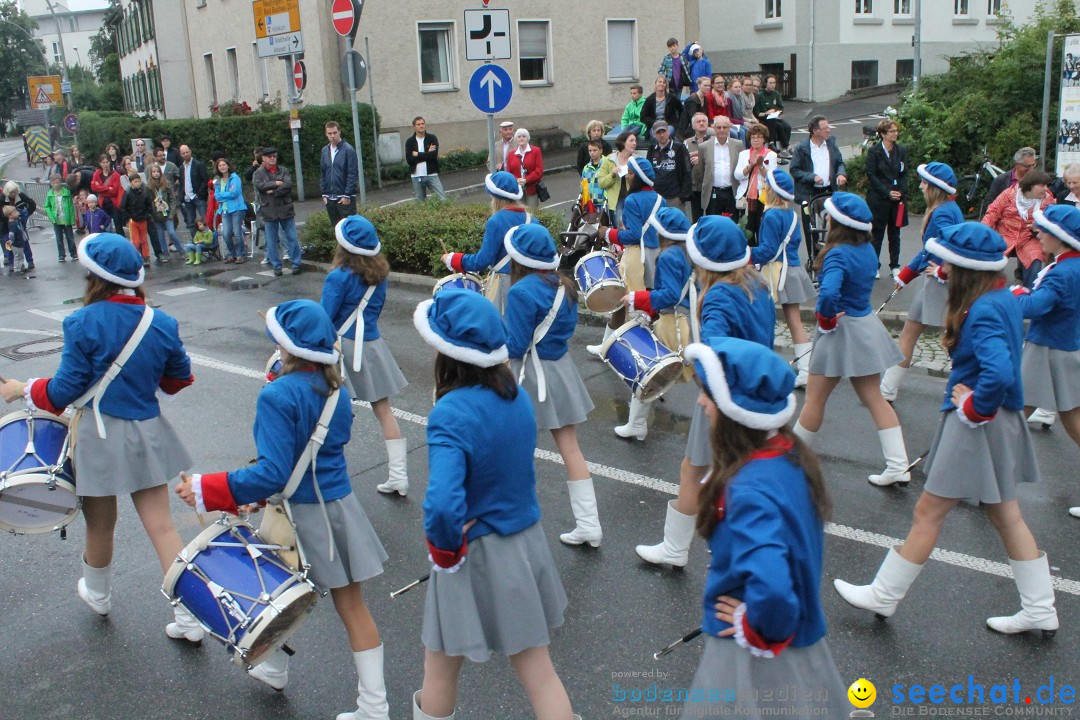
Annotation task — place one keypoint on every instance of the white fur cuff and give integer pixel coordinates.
(196, 487)
(740, 638)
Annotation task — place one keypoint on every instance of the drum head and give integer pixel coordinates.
(28, 506)
(276, 624)
(659, 379)
(605, 297)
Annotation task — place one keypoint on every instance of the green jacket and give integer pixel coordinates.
(65, 213)
(632, 114)
(204, 238)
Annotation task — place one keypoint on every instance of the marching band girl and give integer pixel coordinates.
(762, 511)
(928, 306)
(852, 343)
(735, 303)
(335, 536)
(983, 447)
(673, 294)
(541, 314)
(122, 444)
(506, 212)
(481, 516)
(353, 296)
(779, 237)
(1051, 361)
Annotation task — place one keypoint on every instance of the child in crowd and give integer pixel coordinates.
(590, 174)
(95, 219)
(61, 212)
(16, 239)
(138, 208)
(80, 210)
(203, 240)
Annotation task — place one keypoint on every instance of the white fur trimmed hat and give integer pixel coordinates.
(749, 383)
(851, 210)
(781, 183)
(113, 258)
(531, 245)
(671, 223)
(643, 169)
(357, 235)
(1062, 221)
(716, 243)
(463, 325)
(304, 329)
(939, 175)
(970, 245)
(503, 184)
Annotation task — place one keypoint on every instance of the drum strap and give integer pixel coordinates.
(648, 223)
(498, 267)
(538, 335)
(781, 254)
(357, 319)
(95, 393)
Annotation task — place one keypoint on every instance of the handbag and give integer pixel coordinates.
(542, 193)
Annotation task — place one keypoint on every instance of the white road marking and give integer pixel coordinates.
(267, 273)
(57, 316)
(949, 557)
(242, 277)
(182, 291)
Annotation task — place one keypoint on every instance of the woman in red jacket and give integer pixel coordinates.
(526, 163)
(1013, 215)
(106, 185)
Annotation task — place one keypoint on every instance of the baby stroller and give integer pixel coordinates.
(814, 230)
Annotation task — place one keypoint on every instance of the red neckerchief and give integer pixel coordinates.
(999, 283)
(515, 209)
(126, 299)
(1068, 255)
(776, 446)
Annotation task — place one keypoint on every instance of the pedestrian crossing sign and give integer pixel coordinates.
(44, 91)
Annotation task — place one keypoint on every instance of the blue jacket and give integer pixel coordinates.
(767, 551)
(673, 269)
(699, 68)
(340, 177)
(987, 356)
(726, 311)
(342, 292)
(946, 214)
(527, 304)
(230, 198)
(93, 337)
(285, 415)
(636, 210)
(1054, 306)
(775, 224)
(847, 277)
(480, 460)
(492, 250)
(96, 220)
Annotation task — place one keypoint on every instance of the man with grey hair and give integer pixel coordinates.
(1066, 189)
(1023, 161)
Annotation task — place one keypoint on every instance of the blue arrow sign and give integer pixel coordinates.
(490, 89)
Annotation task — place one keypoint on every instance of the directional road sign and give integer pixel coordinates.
(65, 87)
(345, 15)
(44, 91)
(274, 17)
(487, 34)
(72, 124)
(299, 74)
(278, 45)
(490, 89)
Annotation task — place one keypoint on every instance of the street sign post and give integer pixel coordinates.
(277, 27)
(45, 91)
(487, 35)
(294, 121)
(345, 15)
(354, 71)
(490, 89)
(299, 73)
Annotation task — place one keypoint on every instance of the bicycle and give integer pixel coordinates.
(971, 190)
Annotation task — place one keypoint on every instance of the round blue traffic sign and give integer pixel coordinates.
(72, 124)
(490, 89)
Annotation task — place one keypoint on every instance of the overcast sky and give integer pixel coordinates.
(86, 4)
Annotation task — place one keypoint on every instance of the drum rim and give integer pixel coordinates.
(452, 276)
(662, 363)
(274, 357)
(61, 484)
(589, 255)
(300, 588)
(182, 560)
(37, 414)
(618, 332)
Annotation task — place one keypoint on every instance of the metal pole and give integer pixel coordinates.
(916, 69)
(492, 161)
(360, 184)
(374, 118)
(63, 59)
(294, 100)
(1046, 99)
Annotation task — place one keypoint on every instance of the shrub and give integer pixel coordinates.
(413, 234)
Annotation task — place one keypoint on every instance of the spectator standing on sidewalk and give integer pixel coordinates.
(675, 69)
(231, 208)
(526, 164)
(339, 175)
(26, 206)
(671, 163)
(169, 169)
(593, 131)
(138, 208)
(662, 104)
(193, 188)
(701, 133)
(422, 154)
(171, 153)
(817, 165)
(61, 211)
(274, 185)
(504, 144)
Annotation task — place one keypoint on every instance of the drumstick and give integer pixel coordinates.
(684, 639)
(444, 250)
(800, 357)
(891, 296)
(410, 586)
(917, 461)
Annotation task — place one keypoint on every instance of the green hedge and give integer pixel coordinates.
(235, 136)
(410, 233)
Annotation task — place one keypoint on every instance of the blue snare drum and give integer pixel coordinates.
(37, 479)
(461, 281)
(601, 284)
(241, 591)
(647, 366)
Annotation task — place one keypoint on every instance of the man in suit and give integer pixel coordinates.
(338, 175)
(193, 188)
(817, 165)
(714, 172)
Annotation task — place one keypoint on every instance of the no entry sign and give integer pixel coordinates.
(299, 75)
(345, 15)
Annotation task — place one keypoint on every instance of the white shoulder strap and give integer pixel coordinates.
(357, 318)
(497, 267)
(95, 393)
(781, 254)
(538, 334)
(648, 223)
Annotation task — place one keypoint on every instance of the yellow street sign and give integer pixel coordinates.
(275, 17)
(45, 92)
(37, 139)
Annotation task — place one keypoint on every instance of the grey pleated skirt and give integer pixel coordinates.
(928, 305)
(504, 599)
(567, 401)
(983, 464)
(800, 682)
(859, 346)
(1051, 377)
(698, 442)
(358, 553)
(136, 455)
(379, 376)
(798, 287)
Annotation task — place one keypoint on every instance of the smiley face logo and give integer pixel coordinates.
(862, 693)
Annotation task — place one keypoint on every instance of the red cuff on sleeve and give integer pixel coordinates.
(39, 394)
(216, 494)
(826, 323)
(455, 262)
(612, 236)
(643, 301)
(972, 414)
(907, 275)
(447, 558)
(171, 385)
(1019, 290)
(941, 274)
(754, 639)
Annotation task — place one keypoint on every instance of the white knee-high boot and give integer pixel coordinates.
(637, 424)
(595, 349)
(583, 503)
(274, 670)
(675, 549)
(419, 714)
(802, 363)
(1036, 589)
(889, 587)
(371, 688)
(184, 626)
(896, 461)
(397, 454)
(93, 588)
(803, 434)
(891, 382)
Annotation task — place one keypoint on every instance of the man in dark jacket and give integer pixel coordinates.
(193, 188)
(671, 161)
(422, 154)
(274, 185)
(339, 175)
(1023, 161)
(817, 165)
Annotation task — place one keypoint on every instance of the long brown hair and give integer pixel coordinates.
(747, 277)
(451, 374)
(965, 287)
(291, 363)
(372, 269)
(840, 234)
(98, 289)
(551, 277)
(934, 197)
(732, 445)
(157, 183)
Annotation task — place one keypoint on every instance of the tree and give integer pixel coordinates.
(20, 57)
(104, 52)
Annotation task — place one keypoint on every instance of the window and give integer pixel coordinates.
(863, 74)
(56, 54)
(960, 7)
(533, 66)
(234, 73)
(261, 81)
(622, 50)
(211, 83)
(905, 70)
(901, 7)
(436, 56)
(864, 7)
(772, 10)
(993, 8)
